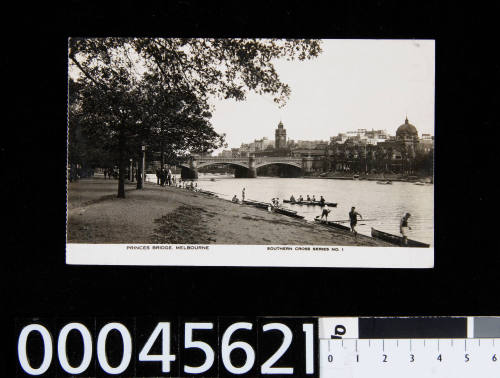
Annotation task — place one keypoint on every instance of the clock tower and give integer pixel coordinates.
(280, 137)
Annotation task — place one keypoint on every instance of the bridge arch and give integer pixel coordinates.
(190, 172)
(293, 164)
(279, 169)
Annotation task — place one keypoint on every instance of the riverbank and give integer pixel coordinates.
(178, 216)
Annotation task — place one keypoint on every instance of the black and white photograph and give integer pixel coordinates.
(292, 152)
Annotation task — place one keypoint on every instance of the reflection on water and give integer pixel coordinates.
(384, 203)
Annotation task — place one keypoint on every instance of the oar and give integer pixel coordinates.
(348, 220)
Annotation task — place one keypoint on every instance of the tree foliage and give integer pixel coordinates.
(127, 92)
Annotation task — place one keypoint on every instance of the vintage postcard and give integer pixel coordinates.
(251, 152)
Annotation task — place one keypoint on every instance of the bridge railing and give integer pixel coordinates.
(216, 158)
(275, 158)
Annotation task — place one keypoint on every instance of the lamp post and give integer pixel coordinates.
(131, 172)
(143, 164)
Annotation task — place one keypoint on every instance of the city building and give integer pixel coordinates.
(426, 143)
(407, 133)
(362, 136)
(263, 144)
(361, 150)
(376, 151)
(225, 153)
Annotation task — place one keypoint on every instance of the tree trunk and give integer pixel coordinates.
(139, 176)
(121, 165)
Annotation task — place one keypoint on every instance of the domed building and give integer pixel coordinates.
(407, 132)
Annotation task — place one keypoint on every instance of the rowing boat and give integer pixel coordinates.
(384, 182)
(260, 205)
(331, 224)
(310, 203)
(397, 240)
(279, 210)
(287, 212)
(208, 193)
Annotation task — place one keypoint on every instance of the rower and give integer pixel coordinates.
(292, 198)
(403, 228)
(353, 218)
(314, 198)
(308, 198)
(300, 198)
(325, 213)
(322, 201)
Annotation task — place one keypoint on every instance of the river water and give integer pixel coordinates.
(386, 204)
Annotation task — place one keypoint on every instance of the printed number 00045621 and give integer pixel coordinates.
(158, 349)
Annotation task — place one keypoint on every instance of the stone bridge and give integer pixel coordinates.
(247, 165)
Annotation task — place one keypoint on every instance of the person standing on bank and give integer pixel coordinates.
(325, 212)
(403, 228)
(353, 218)
(169, 177)
(162, 177)
(243, 195)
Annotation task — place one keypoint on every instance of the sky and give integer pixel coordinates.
(352, 84)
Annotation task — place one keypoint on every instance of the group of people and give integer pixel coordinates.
(110, 173)
(353, 214)
(235, 197)
(353, 217)
(185, 185)
(275, 202)
(165, 177)
(308, 198)
(353, 220)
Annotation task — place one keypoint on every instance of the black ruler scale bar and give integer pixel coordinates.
(418, 327)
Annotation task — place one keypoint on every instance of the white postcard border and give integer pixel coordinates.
(249, 255)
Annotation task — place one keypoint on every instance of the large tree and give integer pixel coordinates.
(156, 90)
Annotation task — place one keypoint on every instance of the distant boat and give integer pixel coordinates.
(384, 182)
(355, 177)
(310, 203)
(331, 224)
(419, 183)
(397, 240)
(212, 179)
